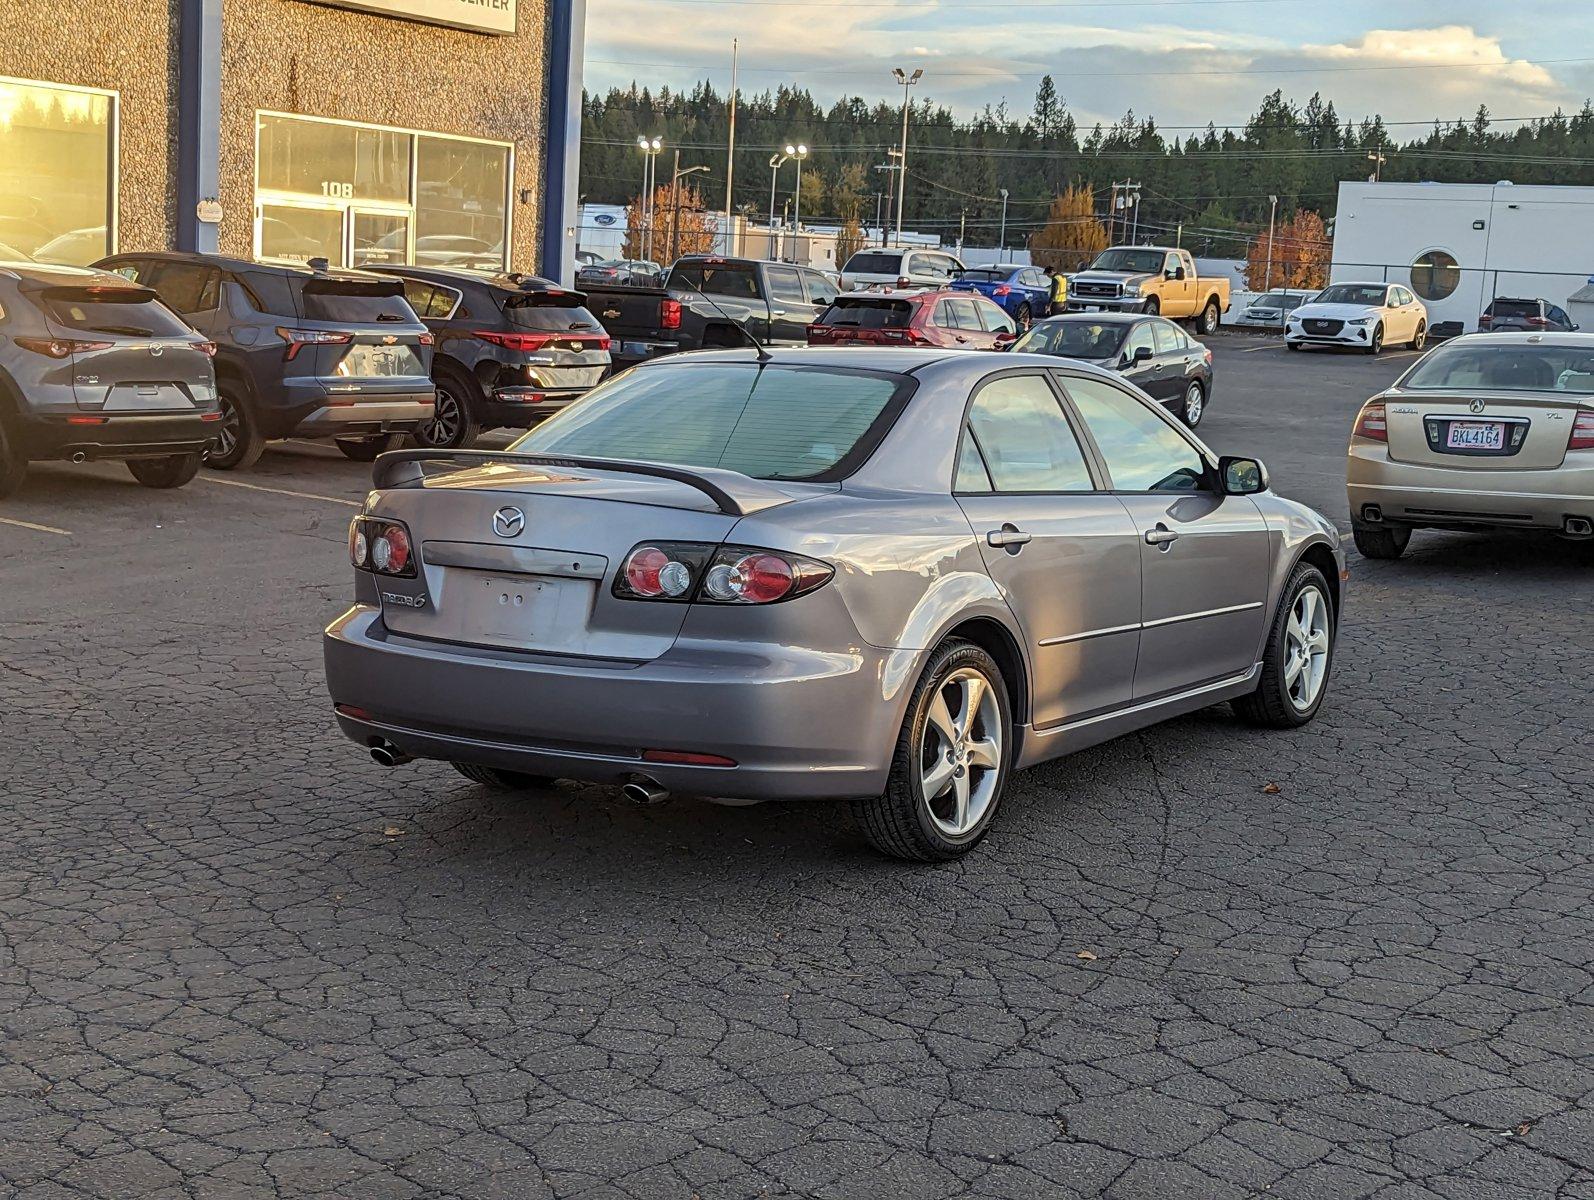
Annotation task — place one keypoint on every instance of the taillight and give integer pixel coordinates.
(904, 282)
(381, 546)
(426, 339)
(669, 314)
(693, 571)
(1485, 321)
(1582, 430)
(208, 348)
(1206, 353)
(1538, 322)
(1371, 423)
(522, 342)
(1000, 289)
(298, 339)
(60, 347)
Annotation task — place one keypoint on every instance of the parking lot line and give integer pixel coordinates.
(1259, 349)
(255, 487)
(37, 528)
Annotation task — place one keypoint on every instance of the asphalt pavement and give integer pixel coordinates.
(239, 960)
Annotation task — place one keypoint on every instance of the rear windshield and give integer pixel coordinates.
(132, 312)
(1353, 293)
(868, 314)
(771, 422)
(983, 275)
(1511, 368)
(873, 262)
(550, 312)
(1074, 339)
(716, 279)
(1515, 308)
(358, 303)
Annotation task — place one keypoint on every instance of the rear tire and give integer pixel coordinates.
(1381, 541)
(499, 780)
(365, 449)
(456, 420)
(1276, 704)
(966, 768)
(170, 472)
(1025, 317)
(13, 465)
(1207, 323)
(240, 443)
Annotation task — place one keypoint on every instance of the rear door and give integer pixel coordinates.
(970, 332)
(1174, 355)
(1204, 555)
(790, 310)
(131, 353)
(1065, 554)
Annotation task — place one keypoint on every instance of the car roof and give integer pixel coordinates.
(47, 273)
(903, 360)
(228, 262)
(1524, 337)
(1101, 318)
(508, 281)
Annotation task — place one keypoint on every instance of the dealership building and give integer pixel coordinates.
(443, 132)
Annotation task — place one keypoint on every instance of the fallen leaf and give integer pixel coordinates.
(394, 831)
(1086, 955)
(1524, 1127)
(1271, 789)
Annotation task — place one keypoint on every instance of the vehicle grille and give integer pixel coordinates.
(1098, 291)
(1320, 325)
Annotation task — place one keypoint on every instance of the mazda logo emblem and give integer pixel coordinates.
(1476, 406)
(508, 522)
(157, 349)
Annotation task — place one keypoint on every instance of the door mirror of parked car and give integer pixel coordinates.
(1141, 354)
(1242, 476)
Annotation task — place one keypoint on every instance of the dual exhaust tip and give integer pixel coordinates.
(641, 790)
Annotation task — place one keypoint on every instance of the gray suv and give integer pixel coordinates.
(301, 351)
(95, 367)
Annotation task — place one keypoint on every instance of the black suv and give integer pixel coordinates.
(301, 351)
(1507, 315)
(512, 349)
(93, 367)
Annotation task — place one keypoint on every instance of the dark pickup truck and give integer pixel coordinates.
(707, 302)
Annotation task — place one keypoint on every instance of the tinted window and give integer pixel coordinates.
(931, 265)
(358, 303)
(820, 289)
(1168, 339)
(716, 279)
(774, 422)
(1139, 336)
(1143, 452)
(964, 315)
(1025, 439)
(1354, 293)
(429, 300)
(873, 262)
(943, 315)
(785, 284)
(982, 275)
(187, 287)
(132, 312)
(993, 318)
(1514, 308)
(971, 473)
(550, 312)
(868, 313)
(269, 292)
(1122, 258)
(1514, 368)
(1074, 339)
(138, 272)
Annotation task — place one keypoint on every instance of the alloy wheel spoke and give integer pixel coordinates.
(973, 697)
(984, 752)
(937, 777)
(960, 809)
(940, 718)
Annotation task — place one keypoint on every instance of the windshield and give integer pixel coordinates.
(1514, 308)
(769, 422)
(874, 262)
(1353, 293)
(1122, 258)
(1074, 339)
(1512, 368)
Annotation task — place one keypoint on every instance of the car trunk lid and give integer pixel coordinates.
(563, 345)
(383, 349)
(129, 352)
(1481, 430)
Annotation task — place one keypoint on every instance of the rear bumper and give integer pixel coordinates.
(389, 414)
(123, 435)
(798, 724)
(521, 408)
(630, 351)
(1444, 497)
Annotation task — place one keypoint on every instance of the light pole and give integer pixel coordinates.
(1001, 238)
(907, 81)
(799, 152)
(675, 205)
(775, 161)
(650, 148)
(1267, 283)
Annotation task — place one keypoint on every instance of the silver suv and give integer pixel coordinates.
(95, 367)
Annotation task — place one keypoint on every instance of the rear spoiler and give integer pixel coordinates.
(735, 495)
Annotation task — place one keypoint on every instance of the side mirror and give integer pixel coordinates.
(1141, 354)
(1004, 341)
(1242, 476)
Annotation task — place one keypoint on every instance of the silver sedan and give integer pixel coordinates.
(889, 576)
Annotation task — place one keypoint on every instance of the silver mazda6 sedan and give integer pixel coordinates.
(893, 576)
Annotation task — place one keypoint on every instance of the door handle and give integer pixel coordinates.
(1009, 537)
(960, 338)
(777, 312)
(1162, 537)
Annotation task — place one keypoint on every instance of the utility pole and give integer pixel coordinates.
(963, 224)
(890, 168)
(775, 161)
(675, 208)
(1376, 157)
(1112, 213)
(1267, 282)
(1001, 238)
(730, 159)
(907, 81)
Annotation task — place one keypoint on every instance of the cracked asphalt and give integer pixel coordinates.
(240, 961)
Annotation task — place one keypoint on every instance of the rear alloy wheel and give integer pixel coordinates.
(365, 449)
(1194, 404)
(500, 780)
(951, 761)
(454, 423)
(1300, 651)
(1378, 339)
(1210, 316)
(239, 442)
(1381, 541)
(1025, 317)
(1420, 338)
(170, 472)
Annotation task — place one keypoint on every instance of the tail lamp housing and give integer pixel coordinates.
(296, 340)
(55, 347)
(1582, 430)
(702, 573)
(529, 342)
(382, 546)
(669, 314)
(1371, 422)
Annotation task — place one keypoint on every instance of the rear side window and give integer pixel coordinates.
(716, 279)
(131, 312)
(873, 262)
(269, 292)
(430, 300)
(785, 284)
(550, 312)
(868, 314)
(774, 422)
(357, 303)
(964, 314)
(1024, 440)
(1168, 339)
(187, 287)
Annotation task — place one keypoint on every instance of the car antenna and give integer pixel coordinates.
(764, 355)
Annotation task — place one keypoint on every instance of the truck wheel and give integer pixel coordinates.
(1210, 316)
(239, 443)
(1152, 305)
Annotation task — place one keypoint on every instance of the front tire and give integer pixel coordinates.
(1152, 305)
(498, 780)
(1378, 340)
(240, 443)
(1299, 654)
(1381, 541)
(173, 471)
(1210, 317)
(454, 422)
(365, 449)
(1194, 404)
(13, 464)
(951, 762)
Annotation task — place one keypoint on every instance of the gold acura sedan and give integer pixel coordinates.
(1488, 431)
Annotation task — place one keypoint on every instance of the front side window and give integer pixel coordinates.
(738, 280)
(56, 150)
(769, 422)
(785, 284)
(1143, 452)
(1073, 338)
(1140, 337)
(1168, 339)
(993, 318)
(820, 289)
(1024, 440)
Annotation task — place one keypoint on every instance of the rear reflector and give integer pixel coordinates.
(687, 759)
(88, 420)
(348, 710)
(215, 416)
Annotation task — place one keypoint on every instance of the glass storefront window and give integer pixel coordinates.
(56, 153)
(365, 196)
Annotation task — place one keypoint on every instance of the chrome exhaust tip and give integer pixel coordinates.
(644, 792)
(80, 457)
(1372, 514)
(389, 755)
(1578, 527)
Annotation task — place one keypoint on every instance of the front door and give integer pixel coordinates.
(1204, 555)
(1065, 554)
(790, 310)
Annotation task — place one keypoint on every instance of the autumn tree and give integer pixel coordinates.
(680, 225)
(1301, 251)
(1072, 233)
(847, 194)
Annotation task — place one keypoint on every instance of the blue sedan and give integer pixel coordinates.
(1024, 293)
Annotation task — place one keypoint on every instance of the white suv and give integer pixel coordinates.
(902, 269)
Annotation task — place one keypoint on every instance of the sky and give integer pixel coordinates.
(1183, 62)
